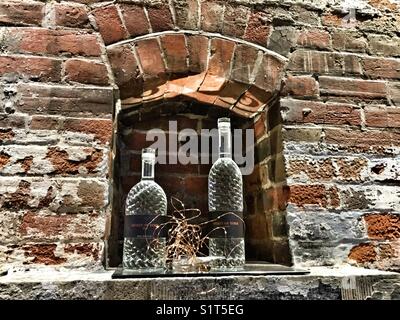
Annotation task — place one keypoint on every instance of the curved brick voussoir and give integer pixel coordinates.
(207, 68)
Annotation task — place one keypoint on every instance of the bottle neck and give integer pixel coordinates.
(225, 140)
(147, 170)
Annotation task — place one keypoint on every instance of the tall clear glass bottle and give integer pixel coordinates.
(225, 204)
(146, 205)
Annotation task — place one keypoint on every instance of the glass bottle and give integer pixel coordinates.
(225, 204)
(146, 205)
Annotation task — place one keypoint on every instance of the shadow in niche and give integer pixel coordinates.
(263, 190)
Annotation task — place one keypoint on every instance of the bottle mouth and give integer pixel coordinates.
(224, 123)
(148, 154)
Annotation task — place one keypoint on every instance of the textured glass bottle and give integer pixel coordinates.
(146, 204)
(225, 204)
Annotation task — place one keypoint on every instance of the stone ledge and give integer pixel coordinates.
(342, 283)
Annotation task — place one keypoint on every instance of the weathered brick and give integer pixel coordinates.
(86, 71)
(175, 52)
(314, 38)
(299, 111)
(21, 13)
(65, 100)
(258, 30)
(160, 18)
(187, 14)
(44, 227)
(198, 52)
(324, 63)
(282, 40)
(382, 68)
(126, 70)
(364, 140)
(352, 87)
(383, 226)
(384, 45)
(382, 116)
(31, 68)
(212, 16)
(394, 93)
(54, 42)
(269, 75)
(300, 86)
(149, 54)
(221, 56)
(109, 24)
(244, 65)
(71, 15)
(235, 20)
(301, 134)
(135, 19)
(348, 41)
(100, 128)
(44, 123)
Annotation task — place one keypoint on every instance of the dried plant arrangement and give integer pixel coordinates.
(186, 238)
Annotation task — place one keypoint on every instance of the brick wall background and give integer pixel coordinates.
(328, 146)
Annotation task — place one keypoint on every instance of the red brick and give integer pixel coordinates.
(32, 68)
(56, 42)
(71, 15)
(44, 123)
(86, 71)
(383, 226)
(221, 57)
(352, 87)
(65, 100)
(301, 195)
(150, 57)
(212, 15)
(253, 100)
(135, 20)
(260, 126)
(235, 20)
(269, 74)
(43, 254)
(109, 24)
(100, 128)
(363, 253)
(258, 30)
(348, 41)
(198, 53)
(62, 164)
(315, 38)
(160, 18)
(382, 68)
(19, 13)
(230, 94)
(244, 63)
(175, 52)
(187, 14)
(383, 117)
(322, 113)
(300, 86)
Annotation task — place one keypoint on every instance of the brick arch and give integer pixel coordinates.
(208, 68)
(123, 20)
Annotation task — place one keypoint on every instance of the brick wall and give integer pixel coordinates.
(322, 95)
